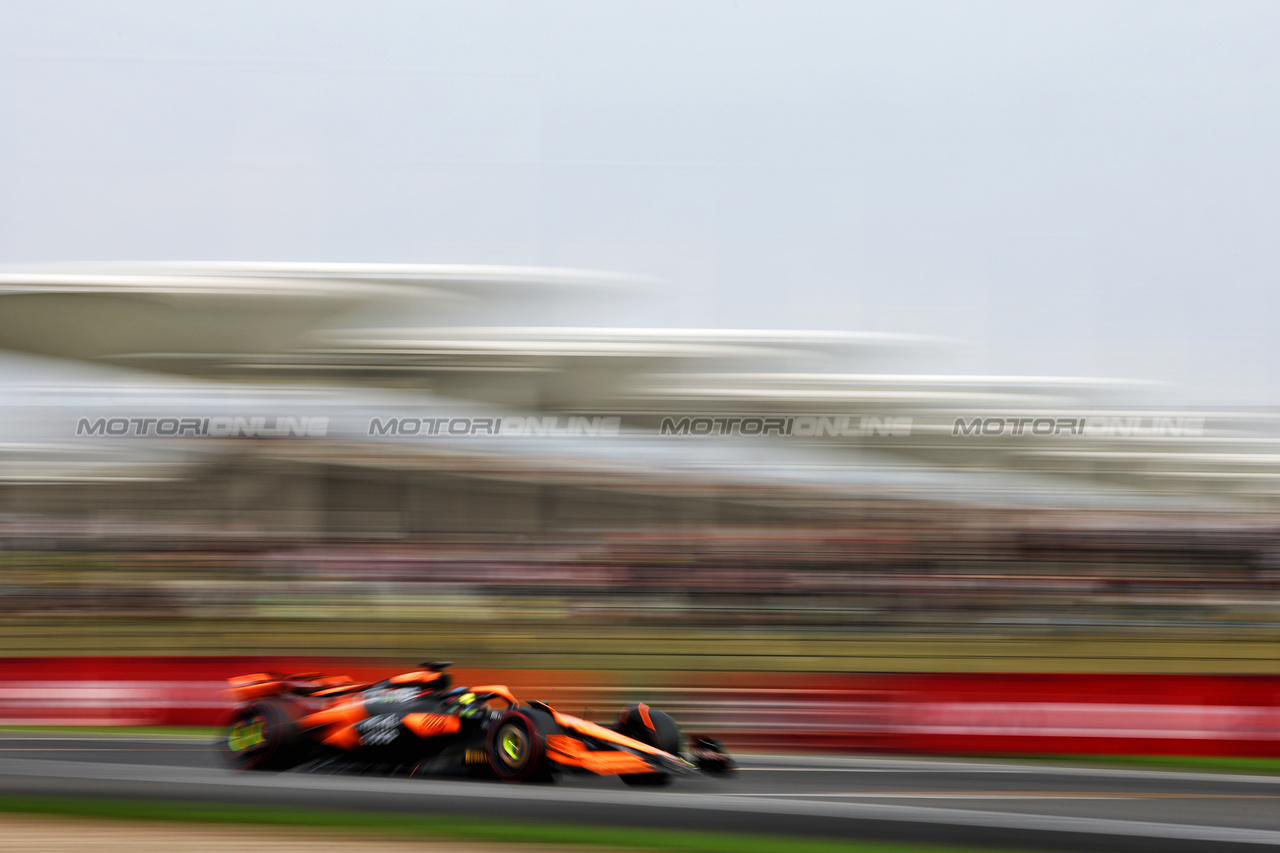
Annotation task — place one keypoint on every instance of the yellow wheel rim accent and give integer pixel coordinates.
(247, 734)
(512, 743)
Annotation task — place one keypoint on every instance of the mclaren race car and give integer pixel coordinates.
(418, 722)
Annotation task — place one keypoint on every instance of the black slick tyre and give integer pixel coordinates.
(516, 745)
(654, 728)
(263, 735)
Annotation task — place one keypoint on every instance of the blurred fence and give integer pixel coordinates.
(912, 712)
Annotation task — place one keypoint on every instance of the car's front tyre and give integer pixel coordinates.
(517, 746)
(654, 728)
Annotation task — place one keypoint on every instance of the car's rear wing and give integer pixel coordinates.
(260, 685)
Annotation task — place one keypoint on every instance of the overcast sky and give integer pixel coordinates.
(1068, 188)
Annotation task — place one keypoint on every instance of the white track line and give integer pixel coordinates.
(177, 777)
(810, 763)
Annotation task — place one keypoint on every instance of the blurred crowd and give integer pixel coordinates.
(963, 572)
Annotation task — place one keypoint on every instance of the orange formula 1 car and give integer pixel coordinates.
(416, 723)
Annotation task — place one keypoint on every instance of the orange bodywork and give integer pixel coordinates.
(260, 685)
(572, 752)
(417, 677)
(246, 688)
(331, 711)
(340, 689)
(601, 733)
(344, 714)
(429, 725)
(344, 737)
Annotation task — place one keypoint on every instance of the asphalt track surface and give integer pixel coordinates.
(987, 803)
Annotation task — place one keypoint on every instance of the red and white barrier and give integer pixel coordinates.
(918, 713)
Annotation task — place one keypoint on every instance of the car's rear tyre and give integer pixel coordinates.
(264, 735)
(517, 747)
(654, 728)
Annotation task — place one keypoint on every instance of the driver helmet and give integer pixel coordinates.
(464, 702)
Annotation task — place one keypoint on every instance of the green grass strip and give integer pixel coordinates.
(1162, 762)
(457, 828)
(106, 731)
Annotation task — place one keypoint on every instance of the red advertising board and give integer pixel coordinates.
(917, 712)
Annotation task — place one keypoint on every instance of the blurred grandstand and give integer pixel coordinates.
(791, 484)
